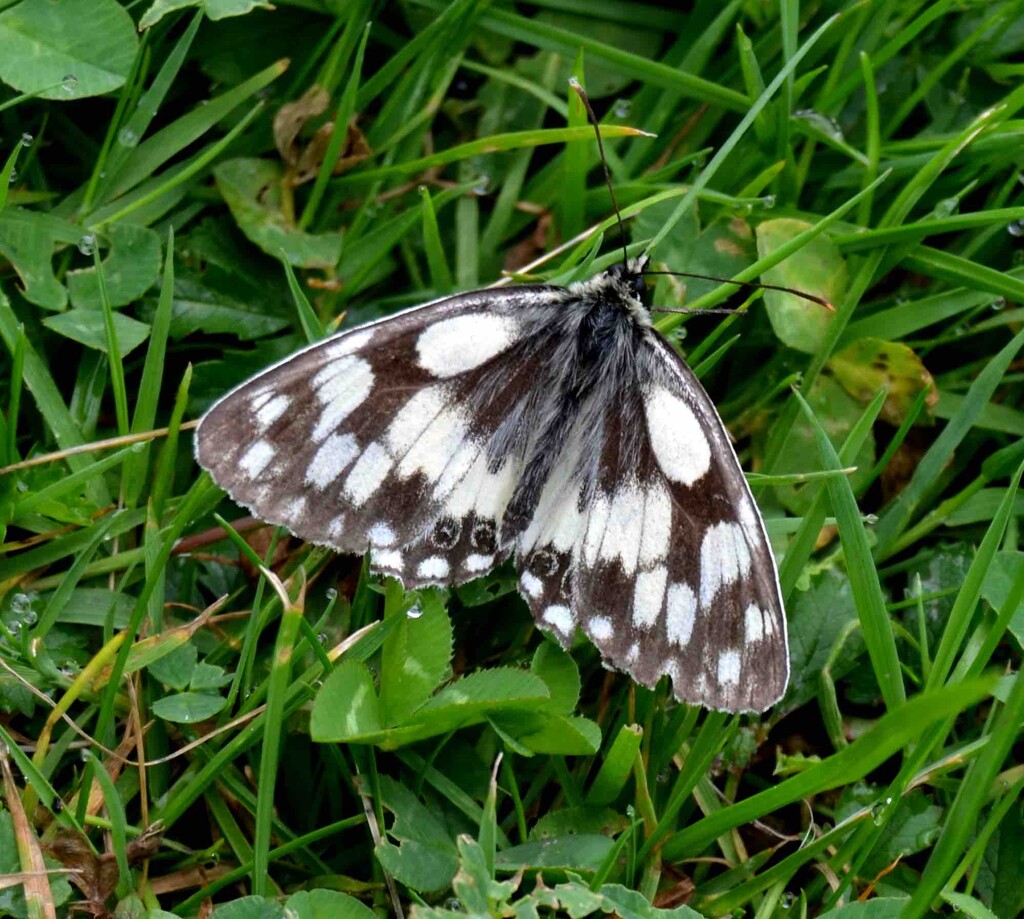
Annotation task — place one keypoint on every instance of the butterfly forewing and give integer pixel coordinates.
(405, 435)
(552, 424)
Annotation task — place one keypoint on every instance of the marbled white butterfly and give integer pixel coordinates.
(550, 425)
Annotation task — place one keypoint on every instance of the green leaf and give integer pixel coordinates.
(213, 9)
(321, 903)
(870, 364)
(347, 706)
(250, 908)
(252, 188)
(188, 707)
(878, 908)
(818, 268)
(27, 241)
(129, 270)
(425, 858)
(12, 896)
(67, 50)
(578, 851)
(416, 657)
(555, 666)
(563, 736)
(177, 668)
(999, 577)
(839, 413)
(87, 327)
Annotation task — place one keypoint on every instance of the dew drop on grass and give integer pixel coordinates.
(622, 108)
(414, 612)
(998, 304)
(331, 593)
(680, 333)
(13, 177)
(481, 184)
(27, 140)
(787, 901)
(870, 519)
(1015, 228)
(126, 137)
(21, 604)
(825, 124)
(768, 201)
(69, 83)
(453, 904)
(323, 638)
(87, 244)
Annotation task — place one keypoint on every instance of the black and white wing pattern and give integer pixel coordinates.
(550, 424)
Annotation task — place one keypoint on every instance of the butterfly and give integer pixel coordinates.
(550, 425)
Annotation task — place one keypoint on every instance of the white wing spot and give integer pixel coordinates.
(413, 418)
(729, 668)
(269, 412)
(255, 459)
(389, 558)
(436, 446)
(331, 459)
(348, 342)
(633, 654)
(382, 535)
(294, 508)
(453, 346)
(677, 438)
(597, 521)
(341, 388)
(657, 532)
(367, 474)
(680, 614)
(624, 528)
(260, 399)
(724, 558)
(532, 584)
(648, 596)
(336, 527)
(479, 562)
(754, 624)
(433, 567)
(600, 628)
(560, 617)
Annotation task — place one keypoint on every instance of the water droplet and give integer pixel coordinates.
(453, 904)
(827, 125)
(13, 177)
(482, 183)
(680, 333)
(787, 900)
(1015, 228)
(27, 140)
(323, 638)
(70, 83)
(870, 519)
(664, 777)
(331, 593)
(414, 612)
(126, 137)
(878, 812)
(87, 244)
(22, 486)
(622, 108)
(998, 304)
(768, 201)
(21, 604)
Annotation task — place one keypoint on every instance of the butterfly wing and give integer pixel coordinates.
(406, 435)
(661, 557)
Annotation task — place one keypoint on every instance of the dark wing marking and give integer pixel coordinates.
(661, 558)
(407, 435)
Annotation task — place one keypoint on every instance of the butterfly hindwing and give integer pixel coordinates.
(661, 557)
(405, 436)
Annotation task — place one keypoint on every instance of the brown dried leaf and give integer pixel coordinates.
(292, 117)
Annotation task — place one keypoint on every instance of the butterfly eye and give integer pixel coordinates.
(638, 285)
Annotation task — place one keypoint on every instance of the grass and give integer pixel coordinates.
(196, 709)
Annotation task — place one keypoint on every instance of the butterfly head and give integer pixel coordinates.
(628, 277)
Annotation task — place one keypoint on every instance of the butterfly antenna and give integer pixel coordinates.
(756, 285)
(592, 118)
